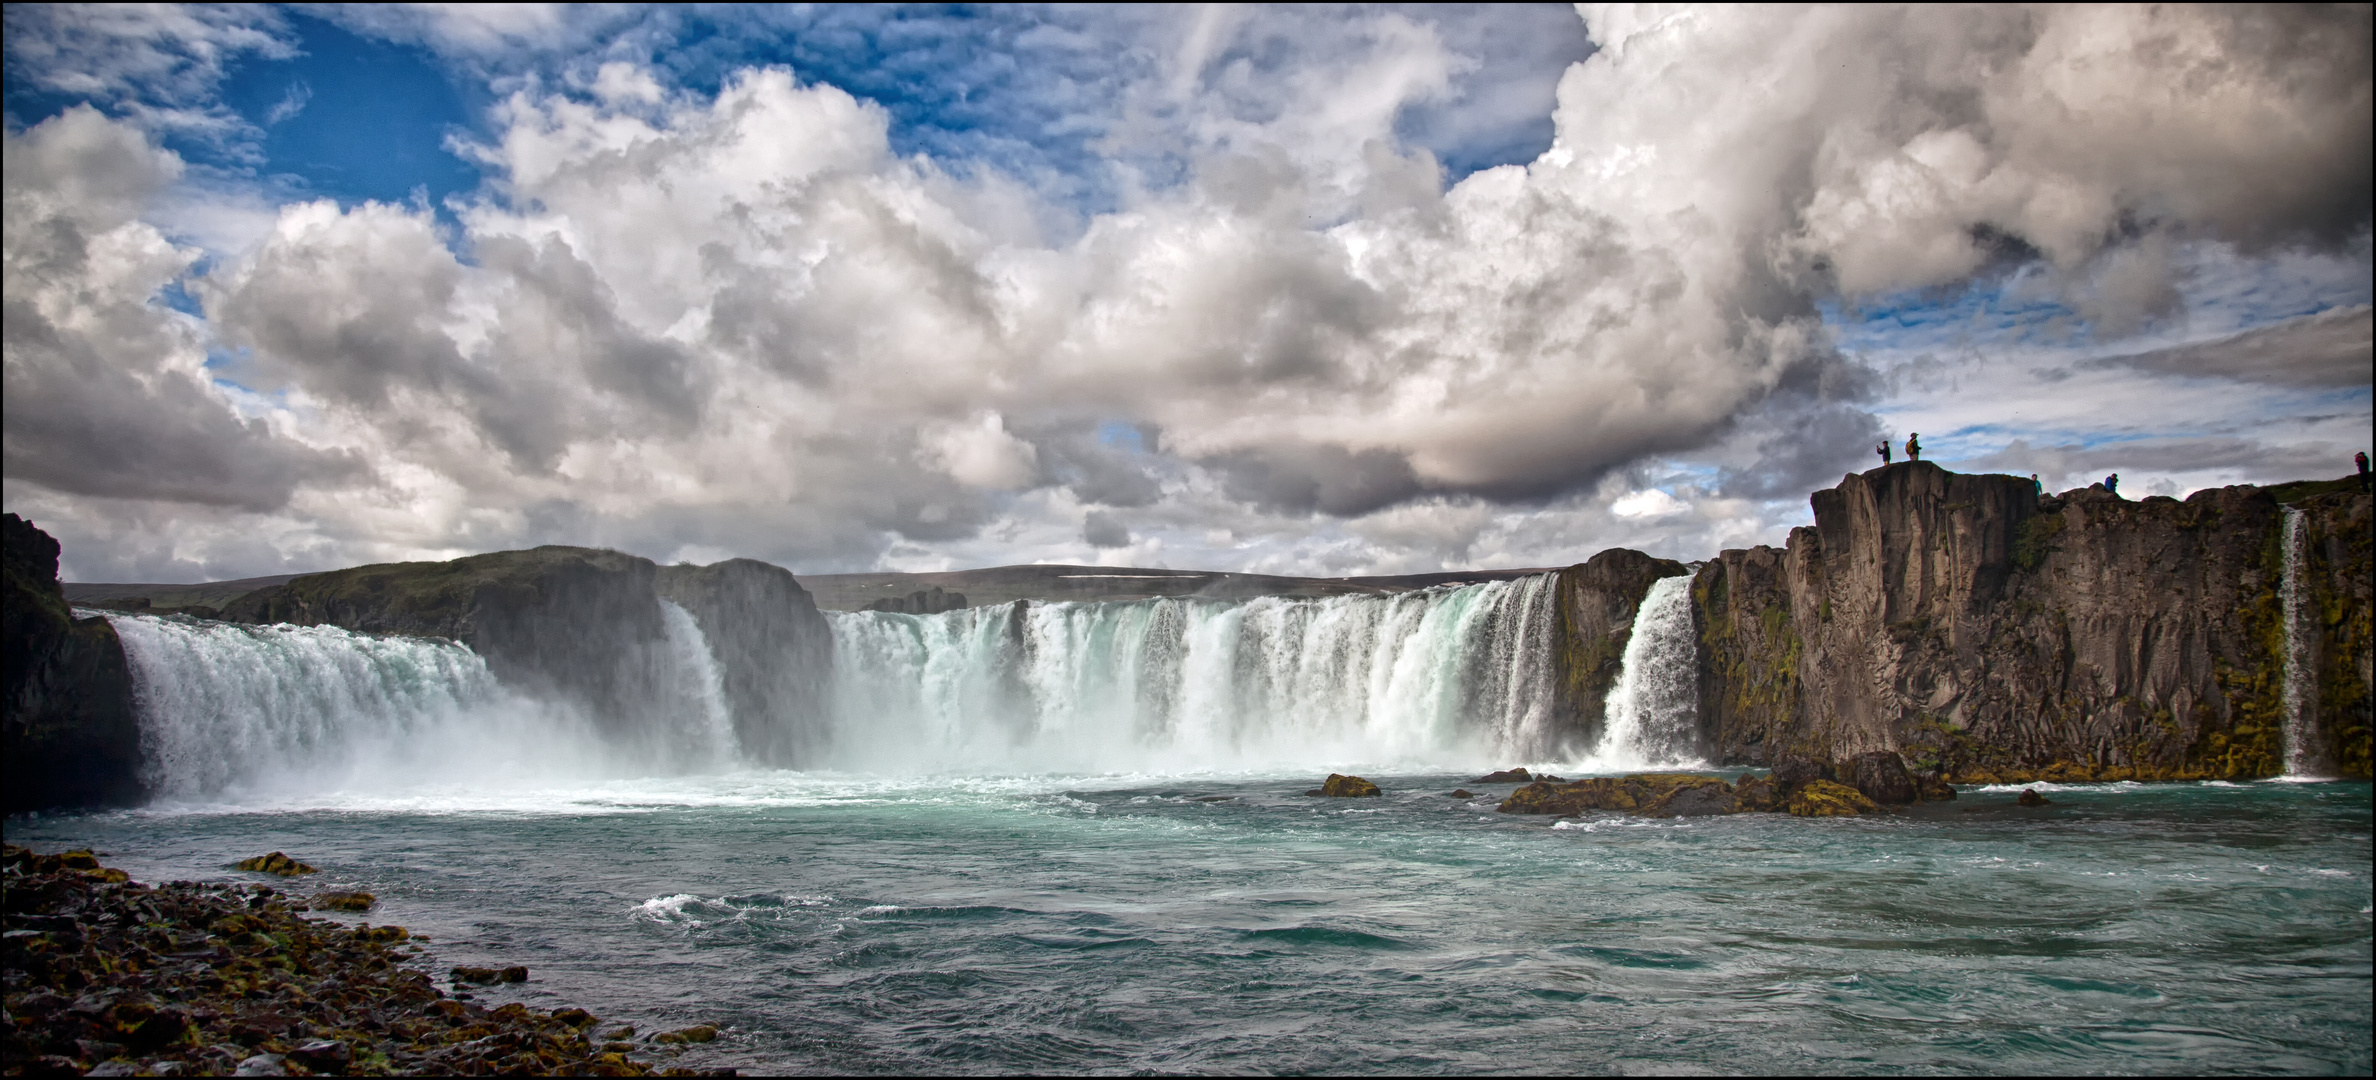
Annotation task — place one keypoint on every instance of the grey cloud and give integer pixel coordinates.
(1292, 478)
(1104, 530)
(2328, 349)
(104, 392)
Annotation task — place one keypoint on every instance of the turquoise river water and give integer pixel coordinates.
(1223, 922)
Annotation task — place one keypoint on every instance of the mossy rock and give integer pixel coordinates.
(1652, 794)
(275, 863)
(344, 901)
(1340, 786)
(1757, 795)
(1829, 798)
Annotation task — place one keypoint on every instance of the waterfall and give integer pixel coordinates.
(1653, 711)
(1181, 683)
(235, 710)
(2300, 678)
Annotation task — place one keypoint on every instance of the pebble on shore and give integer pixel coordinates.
(106, 976)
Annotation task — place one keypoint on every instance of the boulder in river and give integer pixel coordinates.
(1642, 793)
(1829, 798)
(2030, 797)
(1757, 795)
(1340, 786)
(1791, 771)
(1506, 776)
(1883, 778)
(275, 863)
(343, 901)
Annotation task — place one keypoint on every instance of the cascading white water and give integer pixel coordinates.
(1653, 711)
(235, 710)
(691, 665)
(2302, 759)
(1437, 676)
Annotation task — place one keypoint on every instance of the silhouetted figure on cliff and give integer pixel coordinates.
(1883, 450)
(1913, 446)
(2040, 485)
(2360, 459)
(2112, 484)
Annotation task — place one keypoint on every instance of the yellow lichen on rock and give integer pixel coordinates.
(1340, 786)
(275, 863)
(1827, 798)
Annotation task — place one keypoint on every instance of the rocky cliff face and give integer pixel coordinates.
(774, 650)
(70, 733)
(1993, 633)
(1594, 619)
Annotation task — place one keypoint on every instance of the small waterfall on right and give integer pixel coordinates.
(1653, 711)
(2300, 679)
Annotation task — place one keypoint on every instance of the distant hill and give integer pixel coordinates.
(1000, 584)
(850, 592)
(130, 597)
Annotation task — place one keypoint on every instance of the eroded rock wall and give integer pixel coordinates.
(774, 651)
(1980, 628)
(70, 735)
(1597, 601)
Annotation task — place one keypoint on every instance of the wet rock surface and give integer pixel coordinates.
(1506, 776)
(109, 977)
(1669, 795)
(275, 863)
(1340, 786)
(1827, 798)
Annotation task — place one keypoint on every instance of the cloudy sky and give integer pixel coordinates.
(1311, 290)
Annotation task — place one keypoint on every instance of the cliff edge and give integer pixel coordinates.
(70, 735)
(1993, 633)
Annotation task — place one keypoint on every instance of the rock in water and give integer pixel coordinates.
(2030, 797)
(1756, 795)
(1827, 798)
(344, 901)
(1340, 786)
(1933, 788)
(1707, 798)
(1793, 771)
(1461, 793)
(1506, 776)
(275, 863)
(1883, 778)
(1650, 794)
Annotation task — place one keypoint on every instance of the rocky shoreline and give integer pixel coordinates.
(106, 976)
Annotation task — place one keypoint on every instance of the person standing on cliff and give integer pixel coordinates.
(1883, 450)
(2112, 484)
(1913, 446)
(2360, 459)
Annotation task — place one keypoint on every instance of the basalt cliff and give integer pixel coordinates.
(1989, 632)
(70, 733)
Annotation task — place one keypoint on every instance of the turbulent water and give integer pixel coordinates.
(1071, 837)
(1122, 923)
